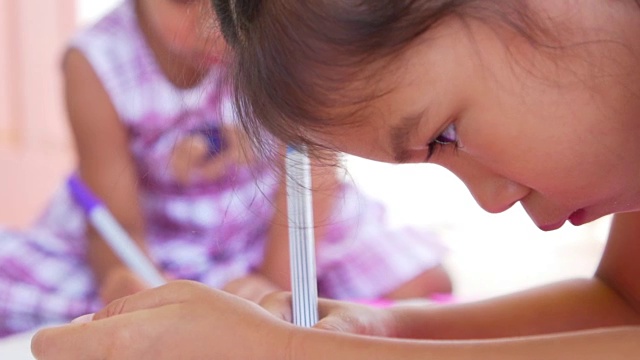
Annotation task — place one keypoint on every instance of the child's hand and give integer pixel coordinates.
(180, 320)
(192, 160)
(251, 287)
(337, 316)
(120, 282)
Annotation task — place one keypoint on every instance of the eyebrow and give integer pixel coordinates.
(399, 135)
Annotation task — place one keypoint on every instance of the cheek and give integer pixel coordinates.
(561, 169)
(520, 140)
(175, 28)
(509, 150)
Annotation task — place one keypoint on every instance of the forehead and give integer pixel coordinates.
(367, 138)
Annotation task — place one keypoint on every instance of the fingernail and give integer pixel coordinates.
(83, 319)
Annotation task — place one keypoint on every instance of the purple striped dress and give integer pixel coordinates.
(212, 232)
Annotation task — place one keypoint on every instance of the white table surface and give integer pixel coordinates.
(17, 347)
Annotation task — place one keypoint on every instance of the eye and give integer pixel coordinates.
(448, 137)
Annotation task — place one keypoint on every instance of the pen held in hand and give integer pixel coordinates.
(112, 232)
(304, 287)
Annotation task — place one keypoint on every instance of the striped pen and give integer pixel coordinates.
(304, 286)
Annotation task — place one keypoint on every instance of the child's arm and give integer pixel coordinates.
(610, 298)
(432, 281)
(565, 306)
(105, 164)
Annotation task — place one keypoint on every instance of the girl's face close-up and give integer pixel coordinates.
(558, 131)
(185, 28)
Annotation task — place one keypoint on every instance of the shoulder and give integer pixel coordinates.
(624, 235)
(112, 52)
(86, 97)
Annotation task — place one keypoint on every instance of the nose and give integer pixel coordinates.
(496, 195)
(493, 192)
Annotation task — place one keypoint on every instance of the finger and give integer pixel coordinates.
(174, 292)
(199, 150)
(187, 156)
(69, 342)
(239, 144)
(214, 167)
(279, 305)
(334, 317)
(336, 323)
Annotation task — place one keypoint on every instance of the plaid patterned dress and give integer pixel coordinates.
(213, 232)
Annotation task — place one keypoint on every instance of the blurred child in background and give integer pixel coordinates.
(146, 104)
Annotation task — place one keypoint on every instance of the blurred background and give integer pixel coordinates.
(488, 254)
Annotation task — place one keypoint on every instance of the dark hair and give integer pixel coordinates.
(292, 58)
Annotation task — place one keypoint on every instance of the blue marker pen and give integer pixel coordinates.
(111, 231)
(214, 138)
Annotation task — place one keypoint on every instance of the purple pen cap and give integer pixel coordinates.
(214, 138)
(81, 194)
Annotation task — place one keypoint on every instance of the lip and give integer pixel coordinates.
(578, 217)
(213, 60)
(208, 58)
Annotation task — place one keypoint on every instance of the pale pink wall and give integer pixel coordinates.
(35, 149)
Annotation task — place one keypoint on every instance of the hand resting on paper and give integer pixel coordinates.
(163, 323)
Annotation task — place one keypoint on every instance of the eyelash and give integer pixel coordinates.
(441, 140)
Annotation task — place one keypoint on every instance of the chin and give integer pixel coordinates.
(551, 227)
